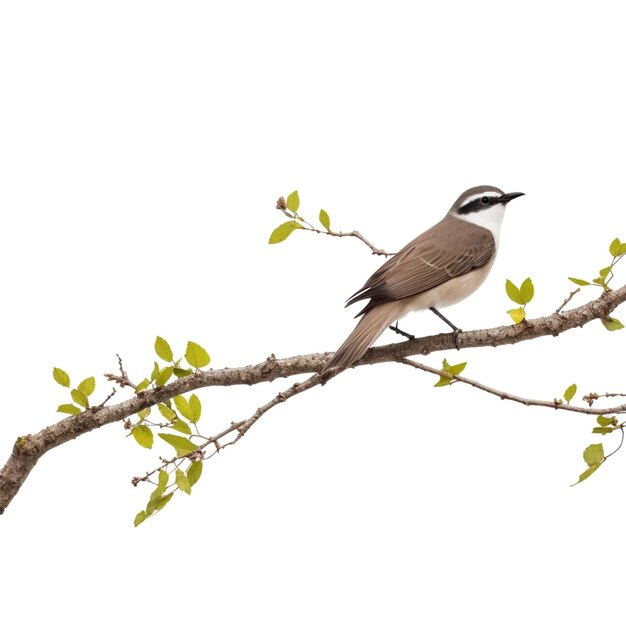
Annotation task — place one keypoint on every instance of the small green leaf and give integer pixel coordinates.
(61, 377)
(143, 436)
(182, 404)
(622, 250)
(513, 292)
(140, 517)
(580, 281)
(590, 470)
(183, 482)
(182, 445)
(604, 272)
(594, 454)
(69, 408)
(570, 392)
(599, 281)
(443, 381)
(612, 323)
(163, 350)
(324, 219)
(144, 413)
(280, 233)
(144, 384)
(196, 355)
(155, 371)
(166, 412)
(527, 291)
(293, 202)
(196, 408)
(87, 386)
(604, 421)
(453, 369)
(615, 246)
(602, 430)
(181, 427)
(517, 315)
(80, 398)
(164, 375)
(162, 483)
(194, 472)
(162, 501)
(179, 372)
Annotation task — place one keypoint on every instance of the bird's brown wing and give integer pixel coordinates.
(442, 252)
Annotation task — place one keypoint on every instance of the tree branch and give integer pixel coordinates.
(28, 449)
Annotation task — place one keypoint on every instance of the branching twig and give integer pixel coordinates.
(504, 395)
(122, 379)
(307, 226)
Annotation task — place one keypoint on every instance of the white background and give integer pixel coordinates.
(142, 149)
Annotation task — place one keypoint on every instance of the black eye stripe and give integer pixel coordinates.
(477, 205)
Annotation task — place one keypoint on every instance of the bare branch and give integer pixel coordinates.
(28, 449)
(567, 300)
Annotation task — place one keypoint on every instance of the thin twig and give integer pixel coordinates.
(567, 300)
(307, 226)
(504, 395)
(122, 379)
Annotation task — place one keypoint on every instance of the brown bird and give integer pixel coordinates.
(441, 267)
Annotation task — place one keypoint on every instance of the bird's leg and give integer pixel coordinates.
(401, 332)
(450, 324)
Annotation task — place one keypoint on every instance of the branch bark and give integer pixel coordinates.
(28, 449)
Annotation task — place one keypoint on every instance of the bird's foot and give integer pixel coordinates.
(401, 332)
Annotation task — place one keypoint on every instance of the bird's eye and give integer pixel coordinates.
(485, 200)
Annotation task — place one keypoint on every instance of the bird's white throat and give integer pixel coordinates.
(490, 218)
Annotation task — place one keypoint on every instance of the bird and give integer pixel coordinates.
(440, 267)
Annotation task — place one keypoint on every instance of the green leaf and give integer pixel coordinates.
(155, 371)
(179, 372)
(443, 381)
(61, 376)
(622, 250)
(527, 291)
(570, 392)
(594, 454)
(143, 436)
(604, 421)
(590, 470)
(163, 350)
(162, 483)
(615, 246)
(293, 202)
(604, 272)
(599, 281)
(69, 408)
(580, 281)
(513, 292)
(182, 445)
(80, 398)
(163, 500)
(324, 219)
(144, 384)
(602, 430)
(196, 355)
(196, 408)
(144, 413)
(87, 386)
(183, 482)
(182, 404)
(164, 375)
(454, 369)
(194, 472)
(140, 517)
(181, 427)
(612, 323)
(280, 233)
(517, 315)
(166, 412)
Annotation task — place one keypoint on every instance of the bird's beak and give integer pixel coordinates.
(507, 197)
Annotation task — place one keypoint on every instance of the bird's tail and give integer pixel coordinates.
(367, 331)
